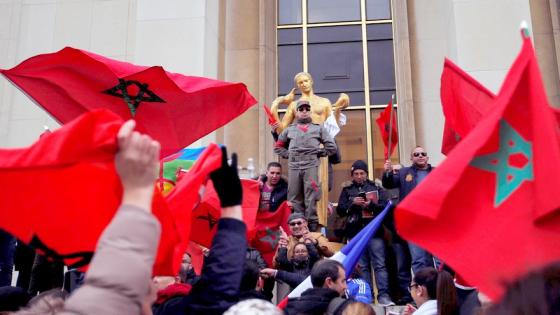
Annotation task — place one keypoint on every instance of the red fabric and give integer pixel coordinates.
(71, 82)
(173, 290)
(267, 230)
(184, 198)
(456, 214)
(303, 127)
(271, 119)
(280, 144)
(197, 257)
(383, 124)
(60, 193)
(464, 101)
(206, 215)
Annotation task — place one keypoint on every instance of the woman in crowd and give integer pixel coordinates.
(293, 271)
(433, 292)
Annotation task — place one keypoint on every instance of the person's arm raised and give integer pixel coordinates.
(218, 287)
(119, 275)
(228, 186)
(137, 166)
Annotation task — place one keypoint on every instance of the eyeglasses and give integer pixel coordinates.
(417, 154)
(304, 109)
(414, 285)
(294, 223)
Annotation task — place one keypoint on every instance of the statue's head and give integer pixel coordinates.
(303, 74)
(304, 82)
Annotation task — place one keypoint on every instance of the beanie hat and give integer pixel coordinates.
(359, 165)
(295, 216)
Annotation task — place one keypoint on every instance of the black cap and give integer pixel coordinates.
(359, 165)
(295, 216)
(301, 103)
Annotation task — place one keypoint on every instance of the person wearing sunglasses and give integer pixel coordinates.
(406, 180)
(303, 144)
(299, 233)
(321, 110)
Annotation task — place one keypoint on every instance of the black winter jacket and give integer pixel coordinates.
(314, 301)
(405, 180)
(218, 288)
(292, 273)
(255, 255)
(346, 208)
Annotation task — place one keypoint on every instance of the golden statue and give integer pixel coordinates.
(321, 109)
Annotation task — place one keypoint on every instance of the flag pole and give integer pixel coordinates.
(390, 128)
(524, 27)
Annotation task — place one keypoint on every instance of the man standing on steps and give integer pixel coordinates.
(359, 202)
(406, 180)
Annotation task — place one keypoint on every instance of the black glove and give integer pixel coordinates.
(321, 153)
(226, 181)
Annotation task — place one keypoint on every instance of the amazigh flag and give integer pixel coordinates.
(267, 230)
(206, 214)
(349, 255)
(491, 209)
(172, 166)
(386, 127)
(464, 100)
(60, 193)
(172, 108)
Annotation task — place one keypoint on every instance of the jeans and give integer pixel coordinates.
(7, 251)
(403, 267)
(375, 255)
(420, 258)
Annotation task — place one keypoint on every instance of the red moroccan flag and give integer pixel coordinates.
(186, 195)
(174, 109)
(206, 214)
(385, 127)
(491, 209)
(267, 230)
(464, 101)
(59, 194)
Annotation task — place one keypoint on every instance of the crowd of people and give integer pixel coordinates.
(235, 279)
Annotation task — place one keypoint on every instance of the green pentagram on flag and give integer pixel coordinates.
(508, 177)
(272, 237)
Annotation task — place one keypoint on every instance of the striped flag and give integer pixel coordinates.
(171, 166)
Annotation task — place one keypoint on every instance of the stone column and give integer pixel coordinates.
(242, 65)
